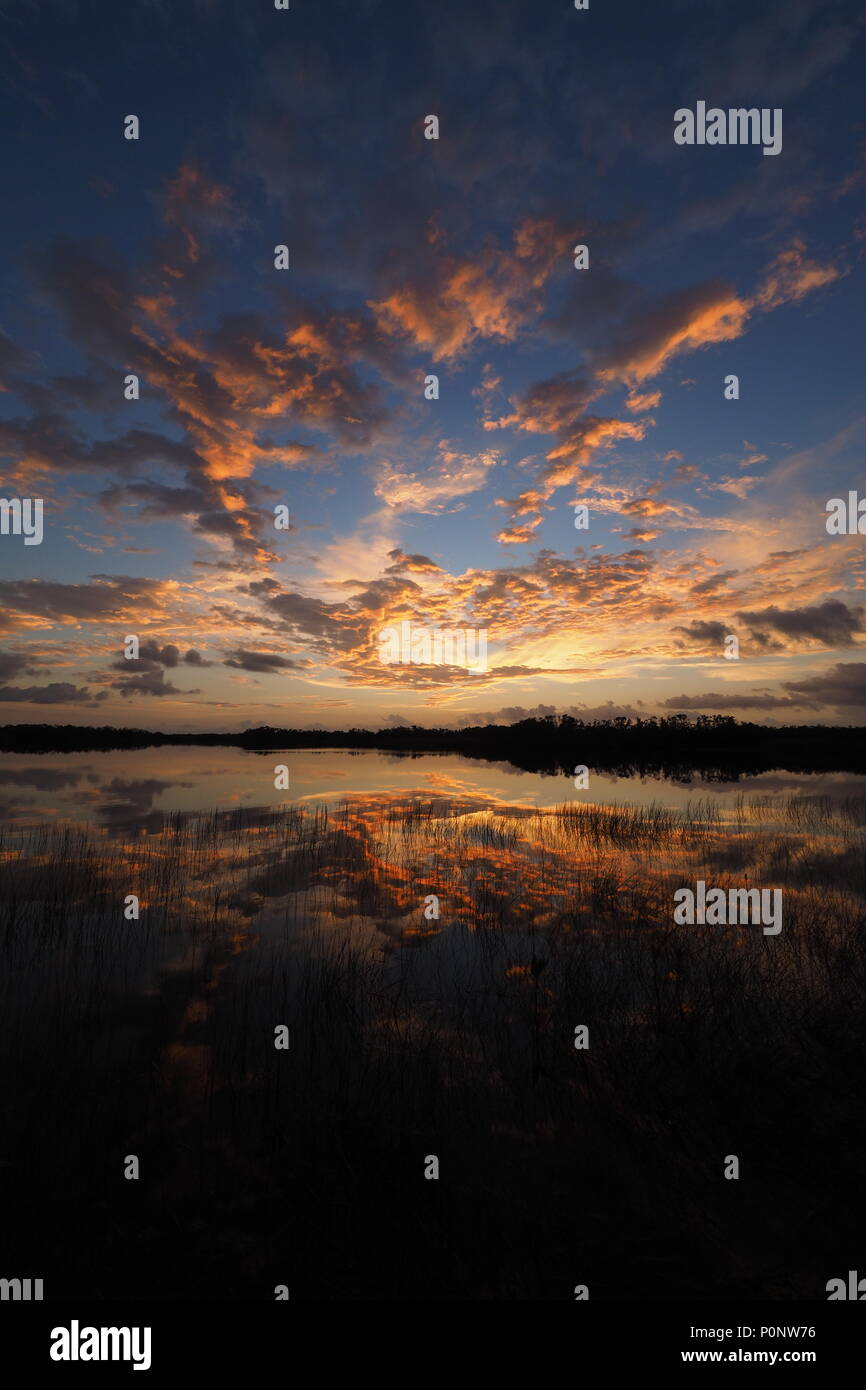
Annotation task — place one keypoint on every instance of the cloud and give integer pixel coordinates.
(513, 714)
(737, 487)
(637, 533)
(780, 51)
(230, 389)
(456, 475)
(639, 402)
(151, 656)
(16, 663)
(13, 664)
(43, 602)
(843, 686)
(152, 682)
(704, 633)
(568, 462)
(410, 564)
(267, 663)
(12, 359)
(550, 406)
(713, 583)
(56, 693)
(528, 609)
(197, 207)
(681, 321)
(689, 319)
(831, 623)
(145, 674)
(457, 301)
(791, 276)
(640, 347)
(730, 700)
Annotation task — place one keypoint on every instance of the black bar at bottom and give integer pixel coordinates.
(226, 1337)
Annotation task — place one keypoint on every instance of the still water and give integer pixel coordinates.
(123, 790)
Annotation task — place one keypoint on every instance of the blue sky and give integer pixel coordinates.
(408, 257)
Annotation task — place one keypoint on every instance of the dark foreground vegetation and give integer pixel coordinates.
(717, 746)
(413, 1037)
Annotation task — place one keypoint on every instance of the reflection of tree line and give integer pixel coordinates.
(718, 746)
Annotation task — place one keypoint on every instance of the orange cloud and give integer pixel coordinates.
(791, 276)
(462, 300)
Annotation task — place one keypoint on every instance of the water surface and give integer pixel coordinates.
(123, 789)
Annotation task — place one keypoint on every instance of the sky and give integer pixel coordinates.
(307, 388)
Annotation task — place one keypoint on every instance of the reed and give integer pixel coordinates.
(453, 1037)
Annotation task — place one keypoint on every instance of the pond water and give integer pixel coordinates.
(138, 788)
(463, 959)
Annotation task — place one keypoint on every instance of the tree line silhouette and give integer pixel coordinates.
(717, 746)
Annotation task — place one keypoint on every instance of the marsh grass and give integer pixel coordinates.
(451, 1037)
